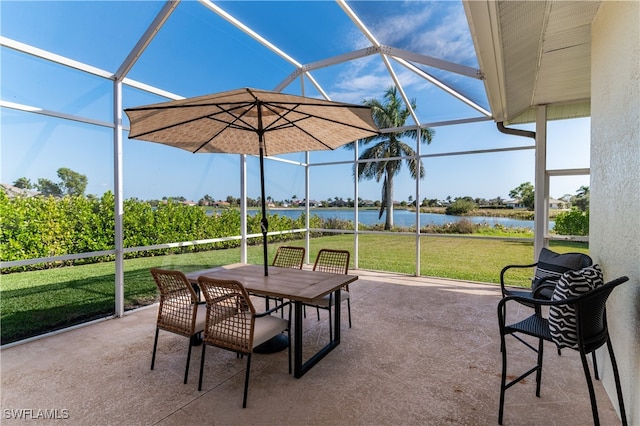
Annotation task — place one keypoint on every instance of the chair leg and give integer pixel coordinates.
(186, 369)
(503, 380)
(155, 346)
(349, 311)
(201, 367)
(592, 395)
(539, 367)
(318, 312)
(595, 365)
(246, 381)
(616, 375)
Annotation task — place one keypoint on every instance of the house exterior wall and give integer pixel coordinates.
(615, 169)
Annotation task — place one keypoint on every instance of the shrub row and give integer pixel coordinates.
(46, 226)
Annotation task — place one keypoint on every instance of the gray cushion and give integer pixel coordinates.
(552, 265)
(267, 327)
(562, 319)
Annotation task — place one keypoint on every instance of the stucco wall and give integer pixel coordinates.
(615, 185)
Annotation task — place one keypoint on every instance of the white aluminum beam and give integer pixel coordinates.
(146, 38)
(339, 59)
(42, 111)
(351, 14)
(443, 86)
(39, 53)
(58, 59)
(254, 35)
(346, 57)
(433, 62)
(396, 81)
(151, 89)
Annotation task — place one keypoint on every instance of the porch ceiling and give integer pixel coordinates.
(533, 53)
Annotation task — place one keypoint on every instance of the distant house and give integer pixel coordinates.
(514, 204)
(312, 203)
(189, 203)
(557, 204)
(553, 204)
(221, 204)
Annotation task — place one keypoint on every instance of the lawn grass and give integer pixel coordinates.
(37, 302)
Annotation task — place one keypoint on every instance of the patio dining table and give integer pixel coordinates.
(299, 286)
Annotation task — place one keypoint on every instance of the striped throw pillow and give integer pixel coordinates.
(562, 319)
(552, 265)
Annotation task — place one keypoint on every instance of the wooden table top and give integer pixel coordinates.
(293, 284)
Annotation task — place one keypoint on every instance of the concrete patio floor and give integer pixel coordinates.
(422, 351)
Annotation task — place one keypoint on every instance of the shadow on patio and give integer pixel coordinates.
(421, 351)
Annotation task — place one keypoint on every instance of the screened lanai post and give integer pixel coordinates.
(307, 210)
(243, 208)
(541, 189)
(417, 200)
(118, 198)
(264, 224)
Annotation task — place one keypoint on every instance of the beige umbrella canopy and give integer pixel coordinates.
(252, 121)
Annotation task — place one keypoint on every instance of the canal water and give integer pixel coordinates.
(402, 217)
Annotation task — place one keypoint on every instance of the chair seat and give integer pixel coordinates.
(326, 300)
(520, 293)
(171, 320)
(268, 327)
(264, 329)
(201, 318)
(533, 325)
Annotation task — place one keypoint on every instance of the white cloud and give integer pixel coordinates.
(435, 29)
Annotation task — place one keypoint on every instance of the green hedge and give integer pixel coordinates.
(573, 222)
(46, 226)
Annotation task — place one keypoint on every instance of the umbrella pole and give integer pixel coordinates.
(264, 223)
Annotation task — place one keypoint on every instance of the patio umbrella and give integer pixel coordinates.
(252, 121)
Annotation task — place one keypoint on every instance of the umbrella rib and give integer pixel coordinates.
(228, 124)
(292, 123)
(309, 115)
(210, 116)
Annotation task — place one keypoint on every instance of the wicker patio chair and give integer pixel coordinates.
(575, 321)
(179, 311)
(232, 323)
(335, 262)
(287, 257)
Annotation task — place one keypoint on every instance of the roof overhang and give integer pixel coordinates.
(534, 53)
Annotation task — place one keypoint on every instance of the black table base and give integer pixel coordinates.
(273, 345)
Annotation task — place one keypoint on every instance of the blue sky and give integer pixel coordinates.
(197, 52)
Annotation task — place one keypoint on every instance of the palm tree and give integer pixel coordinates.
(390, 113)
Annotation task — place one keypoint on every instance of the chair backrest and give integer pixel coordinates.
(334, 261)
(289, 257)
(230, 314)
(586, 260)
(178, 302)
(551, 265)
(591, 315)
